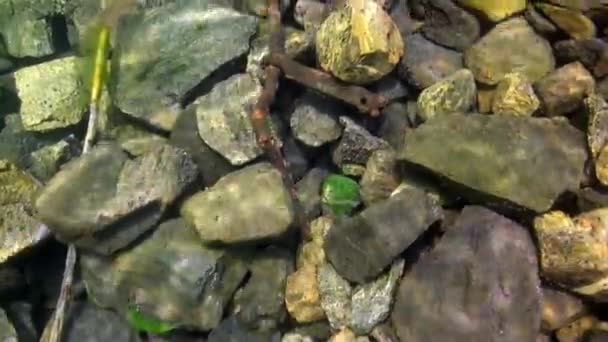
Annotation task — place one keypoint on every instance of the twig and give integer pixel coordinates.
(365, 100)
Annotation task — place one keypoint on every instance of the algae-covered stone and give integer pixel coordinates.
(495, 10)
(26, 36)
(511, 46)
(7, 330)
(573, 22)
(158, 60)
(16, 186)
(248, 204)
(526, 160)
(52, 94)
(514, 95)
(563, 90)
(359, 43)
(454, 93)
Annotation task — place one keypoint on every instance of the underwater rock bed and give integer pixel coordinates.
(304, 170)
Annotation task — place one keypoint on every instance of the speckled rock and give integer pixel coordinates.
(511, 46)
(7, 331)
(86, 322)
(573, 22)
(26, 36)
(495, 10)
(314, 120)
(302, 297)
(155, 73)
(454, 93)
(597, 126)
(456, 292)
(336, 295)
(380, 177)
(425, 63)
(449, 25)
(356, 144)
(560, 309)
(514, 95)
(562, 91)
(248, 204)
(52, 94)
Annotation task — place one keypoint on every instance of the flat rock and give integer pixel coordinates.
(511, 46)
(248, 204)
(526, 160)
(449, 25)
(314, 120)
(362, 246)
(156, 72)
(479, 283)
(454, 93)
(562, 91)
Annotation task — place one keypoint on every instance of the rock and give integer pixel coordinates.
(457, 293)
(294, 337)
(572, 251)
(391, 89)
(302, 297)
(86, 322)
(395, 123)
(601, 166)
(596, 335)
(356, 144)
(540, 23)
(319, 330)
(7, 331)
(523, 162)
(344, 335)
(309, 192)
(514, 95)
(314, 120)
(12, 281)
(454, 93)
(485, 98)
(169, 277)
(336, 295)
(26, 36)
(223, 118)
(597, 126)
(573, 22)
(52, 94)
(559, 309)
(296, 158)
(49, 159)
(576, 330)
(21, 315)
(511, 46)
(424, 63)
(311, 252)
(372, 302)
(260, 303)
(310, 14)
(232, 330)
(495, 10)
(88, 200)
(449, 25)
(562, 91)
(340, 195)
(359, 43)
(248, 204)
(352, 244)
(593, 53)
(175, 56)
(380, 177)
(581, 5)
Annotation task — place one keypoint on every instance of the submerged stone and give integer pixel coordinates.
(356, 144)
(380, 177)
(495, 10)
(526, 160)
(45, 162)
(559, 309)
(302, 297)
(336, 295)
(454, 93)
(27, 36)
(85, 322)
(573, 22)
(515, 96)
(233, 330)
(314, 120)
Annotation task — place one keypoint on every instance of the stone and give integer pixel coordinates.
(593, 53)
(560, 309)
(449, 25)
(391, 89)
(154, 74)
(223, 118)
(563, 91)
(85, 322)
(314, 120)
(372, 302)
(454, 93)
(577, 330)
(344, 335)
(311, 252)
(601, 166)
(527, 161)
(457, 292)
(26, 36)
(424, 63)
(294, 337)
(46, 161)
(309, 192)
(7, 331)
(582, 5)
(232, 330)
(495, 10)
(52, 94)
(359, 43)
(319, 330)
(249, 204)
(310, 14)
(302, 298)
(353, 245)
(336, 295)
(485, 99)
(539, 22)
(573, 22)
(356, 144)
(21, 314)
(511, 46)
(395, 124)
(514, 95)
(380, 177)
(88, 200)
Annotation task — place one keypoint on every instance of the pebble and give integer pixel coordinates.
(514, 95)
(597, 126)
(336, 295)
(563, 91)
(302, 297)
(27, 36)
(573, 22)
(455, 93)
(593, 53)
(380, 177)
(310, 14)
(314, 120)
(495, 10)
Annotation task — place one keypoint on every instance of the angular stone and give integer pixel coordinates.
(425, 63)
(514, 95)
(480, 282)
(454, 93)
(528, 161)
(85, 322)
(495, 10)
(449, 25)
(155, 73)
(336, 295)
(380, 177)
(248, 204)
(52, 94)
(395, 123)
(26, 36)
(559, 309)
(45, 162)
(356, 144)
(7, 331)
(562, 91)
(573, 22)
(314, 120)
(511, 46)
(311, 252)
(302, 298)
(362, 246)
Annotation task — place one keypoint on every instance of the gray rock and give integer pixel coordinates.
(479, 283)
(260, 304)
(425, 63)
(223, 118)
(528, 161)
(559, 309)
(356, 144)
(88, 202)
(454, 93)
(380, 178)
(85, 322)
(174, 56)
(311, 13)
(248, 204)
(590, 52)
(372, 302)
(309, 192)
(395, 124)
(336, 295)
(45, 162)
(7, 331)
(27, 36)
(391, 88)
(296, 158)
(232, 330)
(362, 246)
(314, 120)
(449, 25)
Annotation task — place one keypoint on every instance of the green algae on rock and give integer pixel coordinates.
(454, 93)
(515, 95)
(526, 160)
(340, 195)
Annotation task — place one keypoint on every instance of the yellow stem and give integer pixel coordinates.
(100, 67)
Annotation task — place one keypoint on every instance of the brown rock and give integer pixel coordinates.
(485, 97)
(380, 177)
(562, 91)
(575, 331)
(573, 22)
(302, 297)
